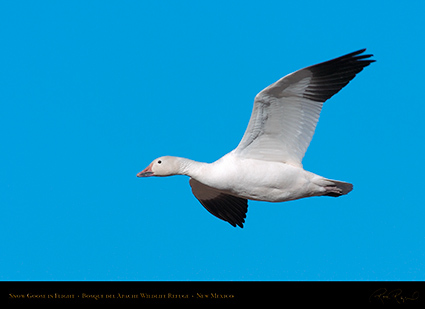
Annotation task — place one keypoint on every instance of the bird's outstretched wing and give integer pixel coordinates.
(285, 113)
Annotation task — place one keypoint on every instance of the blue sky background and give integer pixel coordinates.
(93, 91)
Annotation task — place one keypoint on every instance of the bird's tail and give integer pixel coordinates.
(337, 188)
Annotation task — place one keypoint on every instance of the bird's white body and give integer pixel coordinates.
(256, 179)
(266, 165)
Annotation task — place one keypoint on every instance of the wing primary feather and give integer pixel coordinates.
(331, 76)
(224, 206)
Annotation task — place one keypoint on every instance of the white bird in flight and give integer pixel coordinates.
(266, 165)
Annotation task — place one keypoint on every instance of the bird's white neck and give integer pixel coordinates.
(189, 167)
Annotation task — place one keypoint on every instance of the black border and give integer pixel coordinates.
(405, 293)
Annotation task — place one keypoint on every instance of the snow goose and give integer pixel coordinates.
(266, 165)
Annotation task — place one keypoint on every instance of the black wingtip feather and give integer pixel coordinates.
(228, 208)
(331, 76)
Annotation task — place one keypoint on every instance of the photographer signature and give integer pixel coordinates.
(392, 296)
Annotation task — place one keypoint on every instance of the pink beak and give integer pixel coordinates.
(146, 172)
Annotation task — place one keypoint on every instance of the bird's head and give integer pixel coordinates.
(162, 166)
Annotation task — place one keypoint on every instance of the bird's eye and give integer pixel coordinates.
(159, 161)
